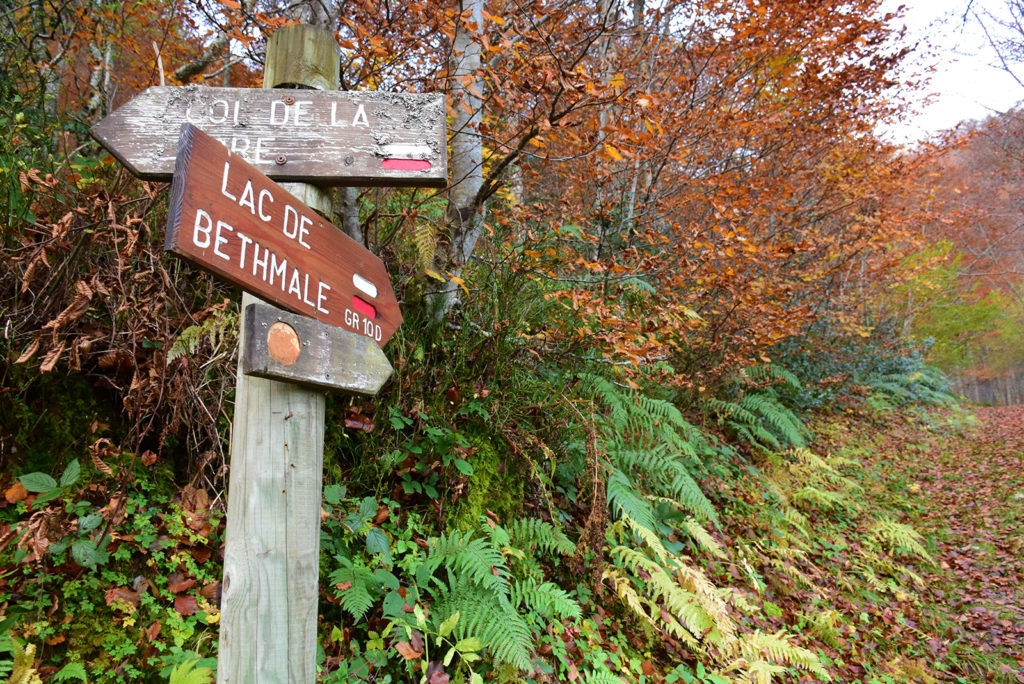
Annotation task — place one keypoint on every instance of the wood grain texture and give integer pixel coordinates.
(272, 546)
(330, 358)
(227, 217)
(322, 137)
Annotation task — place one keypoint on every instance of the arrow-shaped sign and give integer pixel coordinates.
(235, 222)
(315, 136)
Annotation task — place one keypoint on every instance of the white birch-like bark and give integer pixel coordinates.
(466, 207)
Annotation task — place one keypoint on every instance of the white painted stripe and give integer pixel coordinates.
(401, 151)
(364, 285)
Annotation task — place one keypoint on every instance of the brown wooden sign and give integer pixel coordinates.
(235, 222)
(316, 136)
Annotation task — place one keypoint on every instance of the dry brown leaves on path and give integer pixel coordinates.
(970, 499)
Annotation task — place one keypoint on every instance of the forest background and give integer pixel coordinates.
(671, 244)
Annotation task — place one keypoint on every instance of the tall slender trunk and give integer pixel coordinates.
(466, 210)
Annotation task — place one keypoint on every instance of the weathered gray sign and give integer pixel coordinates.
(315, 136)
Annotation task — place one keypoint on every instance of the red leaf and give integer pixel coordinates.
(120, 594)
(153, 631)
(407, 651)
(185, 604)
(177, 583)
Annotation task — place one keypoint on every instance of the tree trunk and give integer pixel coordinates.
(466, 211)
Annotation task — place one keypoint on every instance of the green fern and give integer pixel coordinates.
(356, 581)
(625, 499)
(486, 615)
(219, 327)
(189, 672)
(547, 600)
(760, 419)
(770, 374)
(472, 556)
(535, 534)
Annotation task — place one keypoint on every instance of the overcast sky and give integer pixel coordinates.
(967, 82)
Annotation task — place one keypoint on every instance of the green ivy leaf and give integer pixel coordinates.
(463, 466)
(38, 482)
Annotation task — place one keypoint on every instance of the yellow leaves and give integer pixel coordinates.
(451, 279)
(613, 152)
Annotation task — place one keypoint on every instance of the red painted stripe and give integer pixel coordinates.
(365, 308)
(406, 164)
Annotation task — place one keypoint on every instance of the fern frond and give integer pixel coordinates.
(624, 498)
(704, 539)
(812, 497)
(649, 537)
(898, 537)
(22, 671)
(536, 534)
(666, 474)
(685, 605)
(778, 648)
(424, 242)
(697, 583)
(727, 410)
(627, 594)
(473, 556)
(602, 677)
(757, 672)
(189, 672)
(770, 372)
(356, 599)
(485, 615)
(544, 599)
(782, 420)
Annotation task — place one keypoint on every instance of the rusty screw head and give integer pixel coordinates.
(280, 159)
(288, 100)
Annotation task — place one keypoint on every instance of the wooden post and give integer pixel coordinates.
(272, 552)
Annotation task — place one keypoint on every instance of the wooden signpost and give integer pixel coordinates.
(226, 216)
(286, 346)
(235, 222)
(322, 137)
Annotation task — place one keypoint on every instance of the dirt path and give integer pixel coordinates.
(970, 500)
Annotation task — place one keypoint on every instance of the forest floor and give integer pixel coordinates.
(964, 492)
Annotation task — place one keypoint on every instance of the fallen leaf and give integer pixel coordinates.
(123, 595)
(407, 651)
(153, 631)
(185, 604)
(177, 583)
(16, 493)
